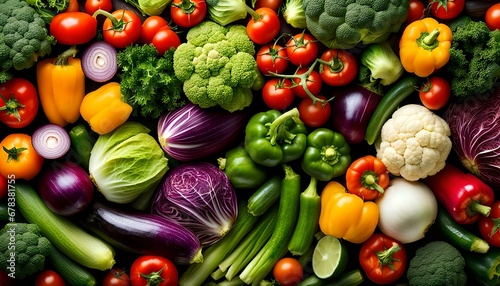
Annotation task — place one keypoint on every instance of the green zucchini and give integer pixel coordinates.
(64, 234)
(458, 235)
(73, 273)
(4, 212)
(82, 143)
(265, 196)
(388, 104)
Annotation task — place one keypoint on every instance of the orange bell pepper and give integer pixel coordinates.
(345, 215)
(425, 46)
(61, 87)
(367, 177)
(103, 108)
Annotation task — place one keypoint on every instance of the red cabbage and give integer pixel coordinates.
(475, 126)
(200, 197)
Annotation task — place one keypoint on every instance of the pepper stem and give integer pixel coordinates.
(428, 41)
(386, 257)
(330, 155)
(13, 153)
(369, 180)
(12, 106)
(277, 129)
(476, 207)
(62, 59)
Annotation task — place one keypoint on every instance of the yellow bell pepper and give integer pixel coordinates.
(345, 215)
(61, 87)
(425, 46)
(103, 108)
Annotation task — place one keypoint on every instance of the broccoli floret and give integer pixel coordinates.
(474, 64)
(23, 249)
(47, 9)
(344, 24)
(23, 37)
(437, 263)
(214, 62)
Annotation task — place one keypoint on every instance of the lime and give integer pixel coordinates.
(329, 257)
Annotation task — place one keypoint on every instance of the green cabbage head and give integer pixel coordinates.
(126, 163)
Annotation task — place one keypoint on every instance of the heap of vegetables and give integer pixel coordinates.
(219, 142)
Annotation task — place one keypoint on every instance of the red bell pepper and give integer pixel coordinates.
(463, 195)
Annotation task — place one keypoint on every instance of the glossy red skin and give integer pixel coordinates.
(116, 277)
(314, 83)
(49, 278)
(277, 93)
(73, 28)
(314, 115)
(265, 28)
(489, 226)
(165, 39)
(345, 74)
(188, 19)
(492, 17)
(415, 12)
(150, 27)
(272, 58)
(454, 8)
(370, 262)
(302, 49)
(435, 93)
(124, 34)
(25, 93)
(288, 271)
(93, 5)
(273, 4)
(147, 264)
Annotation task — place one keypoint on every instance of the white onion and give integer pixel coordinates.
(407, 210)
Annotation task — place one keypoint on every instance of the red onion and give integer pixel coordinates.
(51, 141)
(191, 132)
(99, 62)
(66, 188)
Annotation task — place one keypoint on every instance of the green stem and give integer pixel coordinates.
(428, 41)
(386, 257)
(12, 106)
(187, 6)
(255, 16)
(369, 180)
(62, 59)
(116, 25)
(475, 207)
(277, 129)
(13, 153)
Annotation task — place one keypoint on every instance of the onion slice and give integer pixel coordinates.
(51, 141)
(99, 61)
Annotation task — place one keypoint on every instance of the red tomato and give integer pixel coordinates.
(165, 39)
(18, 103)
(18, 158)
(49, 278)
(188, 14)
(73, 6)
(314, 115)
(149, 266)
(73, 28)
(4, 187)
(314, 83)
(272, 58)
(434, 93)
(116, 277)
(383, 273)
(273, 4)
(446, 9)
(93, 5)
(122, 28)
(277, 93)
(302, 49)
(338, 67)
(489, 226)
(264, 26)
(288, 271)
(492, 17)
(416, 11)
(150, 27)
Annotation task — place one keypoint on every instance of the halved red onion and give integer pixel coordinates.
(51, 141)
(99, 61)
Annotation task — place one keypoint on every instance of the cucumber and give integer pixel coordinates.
(82, 143)
(458, 235)
(389, 103)
(4, 212)
(64, 234)
(265, 196)
(73, 273)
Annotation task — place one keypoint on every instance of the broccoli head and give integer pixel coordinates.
(23, 249)
(344, 24)
(474, 64)
(217, 66)
(437, 263)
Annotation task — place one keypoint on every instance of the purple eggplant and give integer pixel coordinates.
(352, 108)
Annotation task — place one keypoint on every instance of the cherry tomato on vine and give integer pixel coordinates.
(314, 115)
(272, 57)
(277, 93)
(18, 102)
(492, 17)
(73, 6)
(18, 158)
(302, 49)
(4, 188)
(338, 67)
(93, 5)
(489, 226)
(314, 83)
(273, 4)
(147, 267)
(435, 93)
(446, 9)
(288, 271)
(416, 11)
(150, 27)
(264, 25)
(165, 39)
(188, 13)
(116, 277)
(121, 28)
(73, 28)
(49, 278)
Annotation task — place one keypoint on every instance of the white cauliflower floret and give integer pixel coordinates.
(414, 143)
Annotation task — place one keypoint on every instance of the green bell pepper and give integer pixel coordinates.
(273, 138)
(327, 155)
(241, 170)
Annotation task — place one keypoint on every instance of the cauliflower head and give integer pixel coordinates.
(414, 143)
